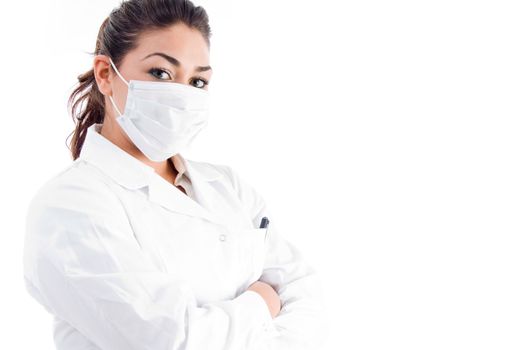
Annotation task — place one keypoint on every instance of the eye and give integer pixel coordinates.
(160, 74)
(199, 83)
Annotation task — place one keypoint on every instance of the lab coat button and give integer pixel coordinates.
(222, 237)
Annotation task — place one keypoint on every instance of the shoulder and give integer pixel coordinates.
(69, 211)
(74, 189)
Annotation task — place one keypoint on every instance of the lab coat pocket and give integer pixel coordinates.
(255, 239)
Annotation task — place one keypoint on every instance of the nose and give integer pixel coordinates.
(182, 76)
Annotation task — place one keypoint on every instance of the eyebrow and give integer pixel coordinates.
(175, 61)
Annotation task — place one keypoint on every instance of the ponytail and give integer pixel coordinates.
(86, 94)
(86, 103)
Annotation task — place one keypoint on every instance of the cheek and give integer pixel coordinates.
(119, 93)
(119, 97)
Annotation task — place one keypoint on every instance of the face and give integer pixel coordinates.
(177, 54)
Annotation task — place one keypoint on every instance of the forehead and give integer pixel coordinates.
(186, 44)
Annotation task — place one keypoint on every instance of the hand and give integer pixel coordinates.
(269, 295)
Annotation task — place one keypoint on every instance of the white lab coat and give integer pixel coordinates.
(124, 260)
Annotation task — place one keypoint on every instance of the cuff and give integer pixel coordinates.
(260, 313)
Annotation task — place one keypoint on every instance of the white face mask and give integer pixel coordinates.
(161, 118)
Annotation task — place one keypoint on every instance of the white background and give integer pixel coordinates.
(387, 136)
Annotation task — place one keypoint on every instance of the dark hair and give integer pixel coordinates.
(117, 36)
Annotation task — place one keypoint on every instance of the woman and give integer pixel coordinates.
(133, 246)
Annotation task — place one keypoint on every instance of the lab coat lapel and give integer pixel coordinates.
(170, 197)
(204, 178)
(206, 203)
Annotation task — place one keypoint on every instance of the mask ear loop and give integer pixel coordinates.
(124, 80)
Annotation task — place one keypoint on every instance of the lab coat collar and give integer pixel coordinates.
(127, 170)
(133, 174)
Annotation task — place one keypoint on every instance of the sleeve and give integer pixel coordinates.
(83, 264)
(302, 322)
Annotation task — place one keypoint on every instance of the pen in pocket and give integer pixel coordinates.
(264, 224)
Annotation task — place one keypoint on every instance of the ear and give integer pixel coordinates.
(103, 73)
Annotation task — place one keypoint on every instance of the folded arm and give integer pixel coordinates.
(302, 322)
